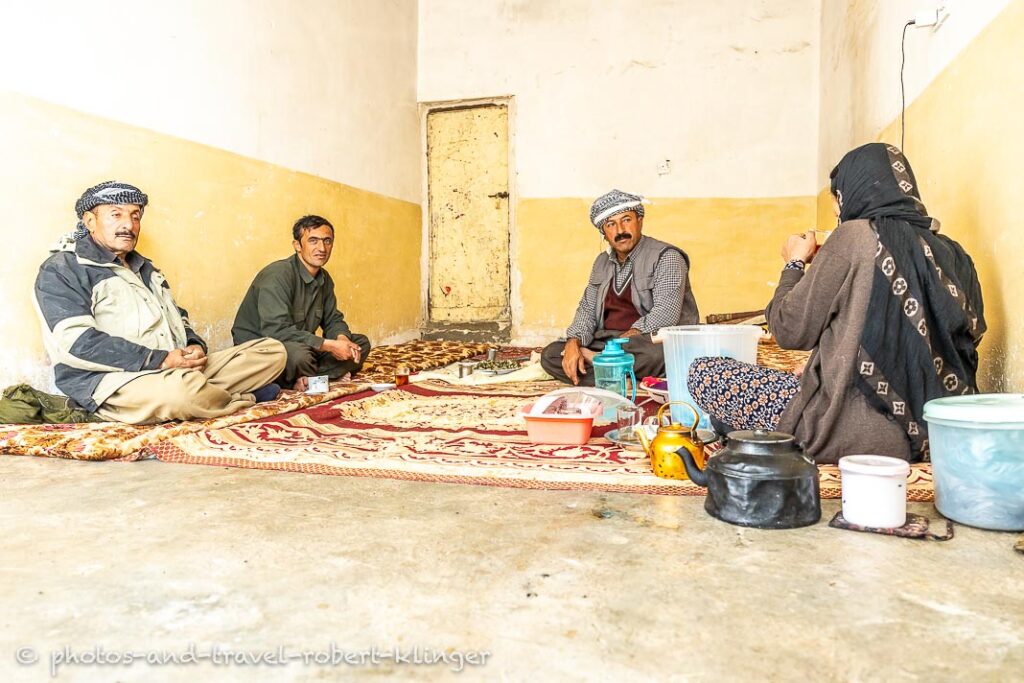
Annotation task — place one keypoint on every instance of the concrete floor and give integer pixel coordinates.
(152, 557)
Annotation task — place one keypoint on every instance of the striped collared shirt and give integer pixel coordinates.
(668, 279)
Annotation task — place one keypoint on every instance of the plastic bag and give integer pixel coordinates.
(575, 403)
(579, 400)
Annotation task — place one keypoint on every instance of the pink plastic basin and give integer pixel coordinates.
(559, 429)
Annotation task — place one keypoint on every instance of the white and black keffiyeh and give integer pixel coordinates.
(615, 202)
(109, 192)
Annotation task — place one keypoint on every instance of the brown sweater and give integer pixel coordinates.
(824, 310)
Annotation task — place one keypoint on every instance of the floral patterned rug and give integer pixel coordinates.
(438, 433)
(113, 440)
(432, 431)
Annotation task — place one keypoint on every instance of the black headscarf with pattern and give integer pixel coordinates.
(925, 316)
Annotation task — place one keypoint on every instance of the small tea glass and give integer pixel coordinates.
(627, 418)
(401, 376)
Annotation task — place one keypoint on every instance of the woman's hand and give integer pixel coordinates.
(800, 247)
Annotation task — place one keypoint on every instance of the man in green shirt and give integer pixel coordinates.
(293, 298)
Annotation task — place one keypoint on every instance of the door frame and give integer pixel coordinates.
(426, 108)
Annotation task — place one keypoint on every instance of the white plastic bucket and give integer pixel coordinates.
(685, 343)
(874, 490)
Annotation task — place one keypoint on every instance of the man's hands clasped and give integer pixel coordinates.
(192, 357)
(342, 348)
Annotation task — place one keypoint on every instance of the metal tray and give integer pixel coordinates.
(496, 372)
(706, 435)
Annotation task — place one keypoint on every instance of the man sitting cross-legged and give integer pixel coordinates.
(635, 288)
(121, 346)
(291, 299)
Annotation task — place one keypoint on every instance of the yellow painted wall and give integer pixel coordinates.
(825, 211)
(967, 159)
(860, 57)
(215, 218)
(733, 245)
(965, 143)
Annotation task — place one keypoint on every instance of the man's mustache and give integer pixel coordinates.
(623, 236)
(124, 234)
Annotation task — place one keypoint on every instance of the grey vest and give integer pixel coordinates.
(648, 250)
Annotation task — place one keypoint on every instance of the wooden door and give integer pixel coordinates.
(467, 195)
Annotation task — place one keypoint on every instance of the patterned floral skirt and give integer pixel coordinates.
(739, 395)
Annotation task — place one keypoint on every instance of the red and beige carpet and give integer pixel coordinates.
(438, 433)
(112, 440)
(431, 432)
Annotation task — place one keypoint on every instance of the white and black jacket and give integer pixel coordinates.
(104, 324)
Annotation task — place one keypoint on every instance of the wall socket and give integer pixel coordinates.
(664, 167)
(931, 17)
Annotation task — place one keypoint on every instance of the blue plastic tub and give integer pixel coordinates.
(977, 451)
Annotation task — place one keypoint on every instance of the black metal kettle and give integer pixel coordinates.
(760, 479)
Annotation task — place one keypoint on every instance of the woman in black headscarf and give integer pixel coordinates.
(891, 309)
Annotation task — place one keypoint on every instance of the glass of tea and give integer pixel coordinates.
(627, 418)
(401, 376)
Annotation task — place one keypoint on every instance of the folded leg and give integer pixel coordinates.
(223, 387)
(739, 395)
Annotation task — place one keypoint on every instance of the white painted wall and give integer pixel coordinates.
(327, 87)
(860, 65)
(604, 89)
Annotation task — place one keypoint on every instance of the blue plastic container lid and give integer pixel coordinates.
(613, 354)
(1003, 409)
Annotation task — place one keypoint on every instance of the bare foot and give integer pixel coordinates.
(301, 384)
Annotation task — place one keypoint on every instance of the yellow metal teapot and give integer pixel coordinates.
(665, 462)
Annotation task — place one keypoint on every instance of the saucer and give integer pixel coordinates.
(629, 444)
(705, 435)
(383, 386)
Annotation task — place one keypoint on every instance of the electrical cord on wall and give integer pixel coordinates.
(903, 90)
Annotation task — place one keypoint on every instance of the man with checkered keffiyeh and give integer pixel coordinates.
(636, 287)
(121, 347)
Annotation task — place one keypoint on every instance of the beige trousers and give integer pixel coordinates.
(224, 386)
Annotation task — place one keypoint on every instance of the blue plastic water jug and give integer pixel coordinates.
(612, 366)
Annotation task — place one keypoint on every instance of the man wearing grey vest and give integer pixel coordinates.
(635, 288)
